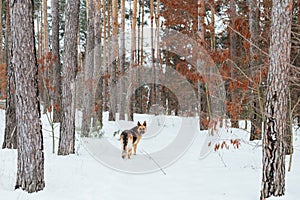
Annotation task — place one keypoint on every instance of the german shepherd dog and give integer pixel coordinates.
(131, 138)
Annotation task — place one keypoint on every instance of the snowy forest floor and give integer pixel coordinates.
(233, 174)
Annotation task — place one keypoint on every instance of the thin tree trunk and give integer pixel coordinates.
(122, 63)
(30, 170)
(46, 69)
(132, 61)
(142, 108)
(10, 133)
(67, 127)
(108, 53)
(153, 99)
(105, 57)
(56, 62)
(98, 69)
(114, 63)
(233, 54)
(88, 72)
(273, 177)
(201, 95)
(255, 112)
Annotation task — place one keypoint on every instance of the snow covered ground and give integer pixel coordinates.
(233, 174)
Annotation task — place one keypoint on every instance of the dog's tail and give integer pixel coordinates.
(124, 140)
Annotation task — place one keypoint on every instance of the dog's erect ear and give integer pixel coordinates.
(144, 123)
(138, 124)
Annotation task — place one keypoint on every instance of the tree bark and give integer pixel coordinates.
(114, 63)
(273, 178)
(153, 89)
(122, 63)
(106, 30)
(133, 60)
(30, 170)
(201, 95)
(10, 133)
(255, 111)
(56, 62)
(67, 127)
(233, 56)
(88, 72)
(46, 98)
(98, 68)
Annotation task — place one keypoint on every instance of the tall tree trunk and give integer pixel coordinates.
(67, 127)
(108, 53)
(122, 63)
(255, 111)
(158, 63)
(10, 133)
(88, 72)
(114, 63)
(273, 178)
(98, 68)
(56, 62)
(201, 95)
(152, 99)
(137, 61)
(30, 170)
(46, 69)
(132, 61)
(105, 54)
(142, 108)
(233, 55)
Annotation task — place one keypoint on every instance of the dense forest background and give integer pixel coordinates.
(240, 58)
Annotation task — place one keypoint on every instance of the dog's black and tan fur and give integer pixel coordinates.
(131, 138)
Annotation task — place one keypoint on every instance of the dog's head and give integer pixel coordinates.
(142, 127)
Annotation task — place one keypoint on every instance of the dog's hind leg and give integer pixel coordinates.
(129, 145)
(129, 153)
(135, 145)
(124, 142)
(124, 153)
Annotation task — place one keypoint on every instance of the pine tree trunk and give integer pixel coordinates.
(88, 72)
(10, 134)
(273, 178)
(30, 170)
(105, 53)
(67, 127)
(113, 64)
(152, 99)
(233, 56)
(46, 69)
(255, 111)
(201, 95)
(56, 62)
(132, 62)
(122, 63)
(98, 69)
